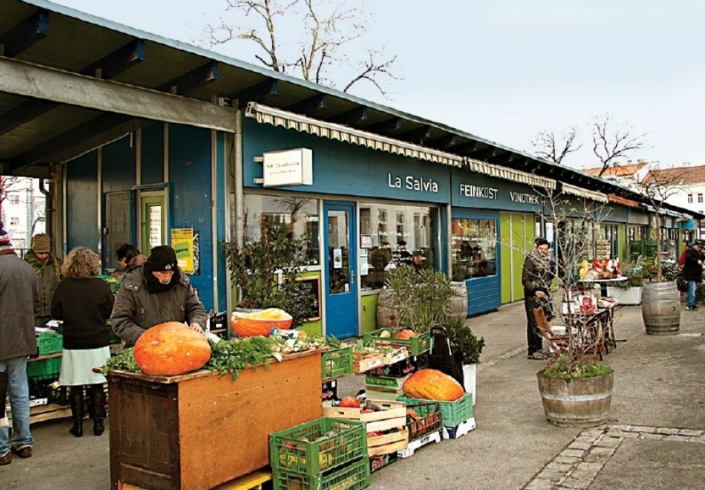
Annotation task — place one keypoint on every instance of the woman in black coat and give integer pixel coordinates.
(84, 302)
(693, 272)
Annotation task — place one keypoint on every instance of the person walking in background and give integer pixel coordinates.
(130, 258)
(156, 293)
(693, 272)
(18, 291)
(84, 303)
(47, 268)
(536, 278)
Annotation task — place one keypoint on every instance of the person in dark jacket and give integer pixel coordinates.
(156, 293)
(693, 272)
(47, 268)
(130, 258)
(84, 303)
(536, 278)
(18, 291)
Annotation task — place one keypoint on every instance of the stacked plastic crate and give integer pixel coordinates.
(323, 454)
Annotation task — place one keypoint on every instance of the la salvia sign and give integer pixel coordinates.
(412, 183)
(288, 167)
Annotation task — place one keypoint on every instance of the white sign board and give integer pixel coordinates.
(288, 167)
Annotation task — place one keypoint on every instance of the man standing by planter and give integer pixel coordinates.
(693, 272)
(536, 279)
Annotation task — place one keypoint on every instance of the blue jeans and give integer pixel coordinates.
(692, 288)
(18, 391)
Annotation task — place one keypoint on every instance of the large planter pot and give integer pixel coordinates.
(661, 308)
(576, 402)
(629, 296)
(459, 300)
(387, 313)
(470, 380)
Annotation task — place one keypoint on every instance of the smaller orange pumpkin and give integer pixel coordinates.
(170, 349)
(406, 334)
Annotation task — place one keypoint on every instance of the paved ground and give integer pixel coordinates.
(653, 440)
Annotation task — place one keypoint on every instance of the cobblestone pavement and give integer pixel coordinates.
(578, 465)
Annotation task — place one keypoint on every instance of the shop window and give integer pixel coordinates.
(405, 241)
(474, 243)
(298, 214)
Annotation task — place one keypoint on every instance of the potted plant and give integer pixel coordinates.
(576, 390)
(628, 292)
(420, 297)
(265, 272)
(470, 346)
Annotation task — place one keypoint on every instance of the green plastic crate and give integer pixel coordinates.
(355, 476)
(44, 369)
(452, 413)
(308, 449)
(415, 345)
(336, 363)
(49, 343)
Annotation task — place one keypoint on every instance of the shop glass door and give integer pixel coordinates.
(340, 266)
(153, 223)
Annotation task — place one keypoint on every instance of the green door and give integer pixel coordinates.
(518, 235)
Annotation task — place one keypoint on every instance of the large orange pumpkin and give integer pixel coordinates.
(170, 349)
(431, 384)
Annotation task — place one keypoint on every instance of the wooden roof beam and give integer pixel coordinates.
(418, 136)
(117, 62)
(353, 117)
(108, 67)
(193, 80)
(257, 93)
(485, 154)
(25, 34)
(318, 102)
(391, 126)
(444, 142)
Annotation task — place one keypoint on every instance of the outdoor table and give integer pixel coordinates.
(595, 329)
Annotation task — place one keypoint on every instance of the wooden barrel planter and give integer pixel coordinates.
(387, 313)
(576, 402)
(459, 300)
(661, 308)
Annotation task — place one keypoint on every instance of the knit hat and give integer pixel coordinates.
(41, 243)
(4, 237)
(162, 258)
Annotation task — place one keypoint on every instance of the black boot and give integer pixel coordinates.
(76, 401)
(98, 402)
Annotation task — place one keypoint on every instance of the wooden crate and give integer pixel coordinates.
(199, 430)
(388, 443)
(363, 363)
(392, 415)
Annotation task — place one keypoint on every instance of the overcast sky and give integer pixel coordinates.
(506, 69)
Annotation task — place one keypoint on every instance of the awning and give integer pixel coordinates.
(346, 134)
(585, 193)
(509, 174)
(289, 120)
(622, 200)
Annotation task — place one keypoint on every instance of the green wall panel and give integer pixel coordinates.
(368, 314)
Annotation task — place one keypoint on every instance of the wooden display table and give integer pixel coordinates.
(199, 430)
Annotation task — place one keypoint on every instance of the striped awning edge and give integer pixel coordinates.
(580, 192)
(509, 174)
(622, 200)
(338, 132)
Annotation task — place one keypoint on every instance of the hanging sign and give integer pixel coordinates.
(289, 167)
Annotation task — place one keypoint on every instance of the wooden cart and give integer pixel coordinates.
(198, 430)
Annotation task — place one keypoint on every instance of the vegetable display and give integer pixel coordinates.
(170, 349)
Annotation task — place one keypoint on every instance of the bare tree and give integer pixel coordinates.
(612, 141)
(657, 187)
(305, 38)
(7, 185)
(555, 147)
